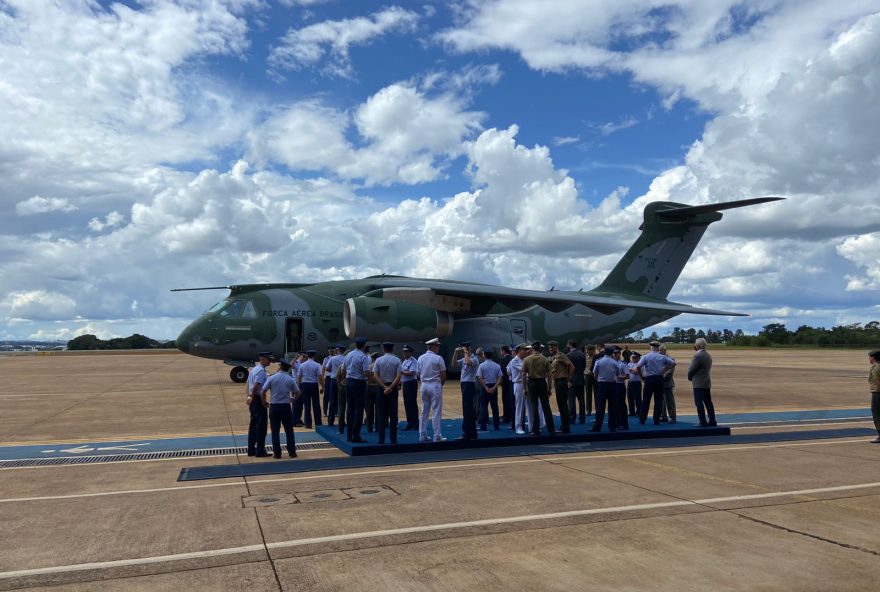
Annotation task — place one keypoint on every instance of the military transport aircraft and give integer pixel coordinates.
(285, 318)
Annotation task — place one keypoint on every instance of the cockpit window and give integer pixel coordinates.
(233, 309)
(216, 307)
(249, 311)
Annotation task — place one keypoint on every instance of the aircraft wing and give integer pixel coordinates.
(481, 297)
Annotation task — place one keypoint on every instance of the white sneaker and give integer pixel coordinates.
(520, 431)
(439, 439)
(424, 439)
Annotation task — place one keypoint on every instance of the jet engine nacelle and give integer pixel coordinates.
(383, 319)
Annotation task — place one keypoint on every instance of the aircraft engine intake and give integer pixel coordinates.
(380, 319)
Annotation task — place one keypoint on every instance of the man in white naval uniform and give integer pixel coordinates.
(432, 374)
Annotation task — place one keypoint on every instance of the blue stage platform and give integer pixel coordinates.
(408, 441)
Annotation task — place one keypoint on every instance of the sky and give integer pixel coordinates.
(163, 144)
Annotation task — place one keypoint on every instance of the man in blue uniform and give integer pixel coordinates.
(489, 377)
(409, 382)
(325, 380)
(308, 377)
(654, 364)
(283, 390)
(259, 418)
(386, 371)
(357, 371)
(469, 364)
(335, 404)
(606, 371)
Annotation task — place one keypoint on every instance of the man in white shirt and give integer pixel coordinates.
(432, 374)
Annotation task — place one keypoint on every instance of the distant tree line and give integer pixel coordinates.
(136, 341)
(774, 334)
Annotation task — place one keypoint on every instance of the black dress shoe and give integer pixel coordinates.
(712, 424)
(358, 440)
(463, 437)
(308, 426)
(595, 429)
(704, 425)
(277, 455)
(292, 455)
(251, 453)
(261, 454)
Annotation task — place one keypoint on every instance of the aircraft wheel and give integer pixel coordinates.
(238, 374)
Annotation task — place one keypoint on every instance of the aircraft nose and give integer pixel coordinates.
(183, 341)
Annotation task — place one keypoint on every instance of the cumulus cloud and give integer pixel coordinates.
(403, 134)
(40, 305)
(328, 42)
(42, 205)
(795, 87)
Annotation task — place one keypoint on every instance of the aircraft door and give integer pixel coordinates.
(517, 331)
(294, 337)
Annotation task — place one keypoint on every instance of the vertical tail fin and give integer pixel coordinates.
(670, 233)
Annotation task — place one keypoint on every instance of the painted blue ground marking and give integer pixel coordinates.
(451, 428)
(136, 446)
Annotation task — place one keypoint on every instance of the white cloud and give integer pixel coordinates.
(42, 205)
(864, 251)
(796, 91)
(404, 135)
(609, 127)
(329, 42)
(111, 220)
(40, 305)
(565, 140)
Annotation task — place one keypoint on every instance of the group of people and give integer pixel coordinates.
(362, 389)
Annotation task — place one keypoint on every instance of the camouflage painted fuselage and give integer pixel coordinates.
(285, 318)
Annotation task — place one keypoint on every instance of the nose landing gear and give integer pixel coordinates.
(239, 374)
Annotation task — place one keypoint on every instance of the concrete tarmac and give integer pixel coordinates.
(764, 515)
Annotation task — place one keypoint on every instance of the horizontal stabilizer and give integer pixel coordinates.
(679, 213)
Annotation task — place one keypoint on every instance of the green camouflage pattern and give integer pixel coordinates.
(286, 318)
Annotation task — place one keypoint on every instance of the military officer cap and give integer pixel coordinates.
(360, 340)
(636, 355)
(465, 344)
(435, 341)
(339, 346)
(284, 363)
(522, 346)
(537, 345)
(387, 344)
(489, 350)
(617, 348)
(654, 344)
(556, 343)
(609, 351)
(265, 354)
(310, 352)
(302, 353)
(407, 348)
